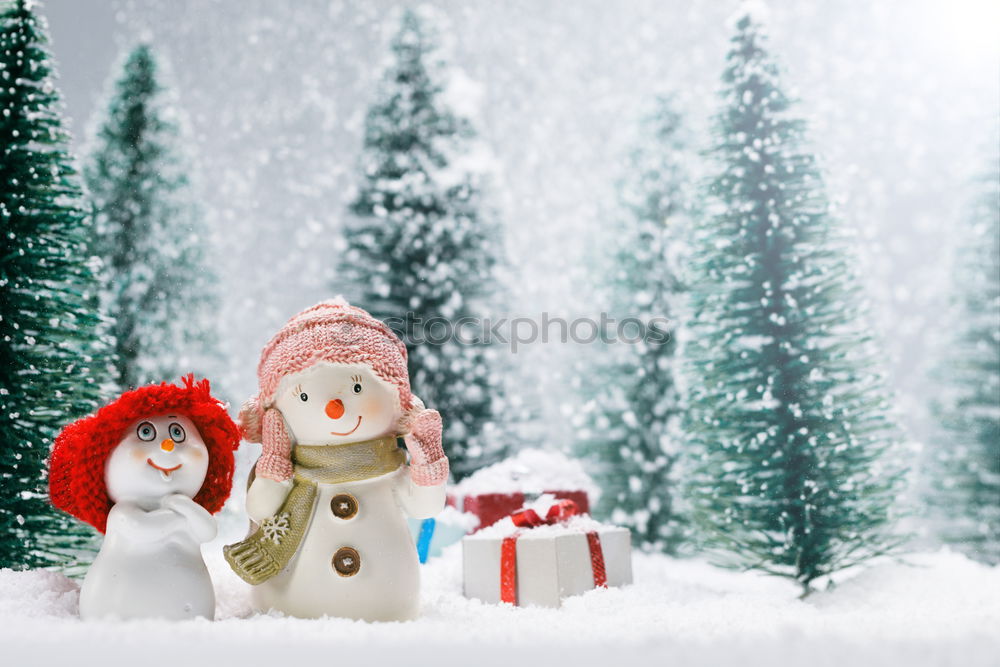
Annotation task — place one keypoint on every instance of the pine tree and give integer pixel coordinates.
(967, 474)
(632, 412)
(790, 433)
(53, 363)
(423, 243)
(151, 234)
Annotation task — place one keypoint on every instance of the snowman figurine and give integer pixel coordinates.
(148, 470)
(332, 488)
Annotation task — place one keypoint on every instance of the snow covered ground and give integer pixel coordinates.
(934, 609)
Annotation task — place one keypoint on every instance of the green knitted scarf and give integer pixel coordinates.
(269, 548)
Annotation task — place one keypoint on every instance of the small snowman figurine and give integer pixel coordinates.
(148, 470)
(332, 487)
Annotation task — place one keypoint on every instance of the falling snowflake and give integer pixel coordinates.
(276, 527)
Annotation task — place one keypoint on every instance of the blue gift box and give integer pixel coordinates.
(434, 534)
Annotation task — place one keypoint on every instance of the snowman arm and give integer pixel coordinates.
(419, 502)
(138, 524)
(265, 497)
(199, 522)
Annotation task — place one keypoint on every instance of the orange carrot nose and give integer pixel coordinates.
(335, 409)
(167, 445)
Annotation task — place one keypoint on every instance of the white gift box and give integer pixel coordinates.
(553, 561)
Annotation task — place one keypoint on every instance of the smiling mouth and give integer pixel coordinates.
(164, 472)
(351, 431)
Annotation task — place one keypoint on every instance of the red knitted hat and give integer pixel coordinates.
(76, 467)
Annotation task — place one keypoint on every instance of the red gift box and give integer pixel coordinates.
(491, 507)
(499, 490)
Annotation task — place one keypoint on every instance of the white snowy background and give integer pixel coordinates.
(901, 96)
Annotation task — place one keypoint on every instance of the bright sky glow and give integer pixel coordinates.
(969, 29)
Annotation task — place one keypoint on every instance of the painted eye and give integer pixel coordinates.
(177, 433)
(145, 431)
(357, 388)
(304, 397)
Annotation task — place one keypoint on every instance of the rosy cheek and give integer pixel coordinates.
(371, 407)
(138, 455)
(195, 454)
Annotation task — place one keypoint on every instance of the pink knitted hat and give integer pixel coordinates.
(337, 332)
(332, 331)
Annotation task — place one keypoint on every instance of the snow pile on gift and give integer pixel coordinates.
(934, 609)
(496, 491)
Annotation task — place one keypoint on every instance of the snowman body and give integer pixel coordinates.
(357, 558)
(150, 564)
(138, 574)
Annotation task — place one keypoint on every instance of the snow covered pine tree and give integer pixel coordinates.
(158, 285)
(421, 242)
(53, 364)
(790, 434)
(966, 470)
(629, 427)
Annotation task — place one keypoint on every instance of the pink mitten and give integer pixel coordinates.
(428, 464)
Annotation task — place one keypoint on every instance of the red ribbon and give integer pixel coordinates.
(529, 518)
(559, 512)
(597, 560)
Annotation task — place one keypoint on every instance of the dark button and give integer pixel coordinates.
(346, 561)
(344, 506)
